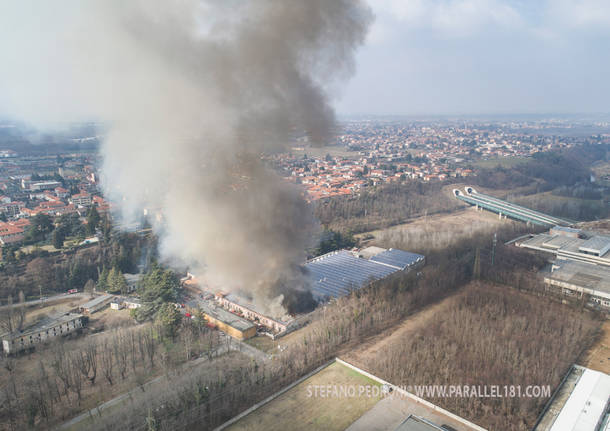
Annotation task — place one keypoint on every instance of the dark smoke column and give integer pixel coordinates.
(200, 90)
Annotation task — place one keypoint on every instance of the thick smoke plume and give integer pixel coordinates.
(193, 92)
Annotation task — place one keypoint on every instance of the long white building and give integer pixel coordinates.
(48, 329)
(579, 404)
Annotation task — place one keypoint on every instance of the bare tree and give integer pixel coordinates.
(7, 316)
(89, 288)
(75, 375)
(21, 311)
(120, 348)
(107, 358)
(61, 365)
(149, 344)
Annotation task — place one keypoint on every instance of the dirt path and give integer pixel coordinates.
(598, 356)
(370, 348)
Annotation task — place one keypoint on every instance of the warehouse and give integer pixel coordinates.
(416, 423)
(398, 259)
(47, 329)
(577, 279)
(570, 245)
(579, 404)
(248, 310)
(227, 322)
(96, 304)
(338, 273)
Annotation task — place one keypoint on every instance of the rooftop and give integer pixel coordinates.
(580, 403)
(598, 245)
(96, 301)
(566, 229)
(414, 423)
(46, 323)
(581, 274)
(225, 316)
(397, 258)
(244, 302)
(339, 272)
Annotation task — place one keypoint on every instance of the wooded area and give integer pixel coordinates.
(58, 380)
(490, 336)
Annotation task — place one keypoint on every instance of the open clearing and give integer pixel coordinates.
(436, 231)
(505, 162)
(298, 409)
(263, 343)
(368, 350)
(35, 313)
(321, 152)
(598, 357)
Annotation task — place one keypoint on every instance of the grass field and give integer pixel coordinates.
(262, 343)
(436, 231)
(298, 409)
(321, 152)
(505, 162)
(598, 357)
(29, 248)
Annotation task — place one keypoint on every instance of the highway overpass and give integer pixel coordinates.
(507, 209)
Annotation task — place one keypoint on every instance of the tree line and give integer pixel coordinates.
(63, 376)
(383, 206)
(490, 336)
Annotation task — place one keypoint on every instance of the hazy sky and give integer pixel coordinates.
(421, 57)
(483, 56)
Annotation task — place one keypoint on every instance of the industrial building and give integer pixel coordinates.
(227, 322)
(506, 209)
(570, 244)
(237, 304)
(579, 404)
(415, 423)
(332, 275)
(48, 329)
(96, 304)
(582, 281)
(338, 273)
(130, 303)
(394, 409)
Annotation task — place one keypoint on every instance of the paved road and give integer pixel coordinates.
(50, 299)
(228, 344)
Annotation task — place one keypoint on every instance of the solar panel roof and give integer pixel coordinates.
(338, 273)
(397, 258)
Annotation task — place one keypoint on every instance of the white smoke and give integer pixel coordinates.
(193, 92)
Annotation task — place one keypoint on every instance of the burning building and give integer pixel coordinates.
(245, 308)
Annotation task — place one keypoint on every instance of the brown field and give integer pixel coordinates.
(36, 312)
(601, 226)
(436, 231)
(368, 350)
(110, 319)
(263, 343)
(505, 162)
(598, 357)
(297, 409)
(321, 152)
(473, 336)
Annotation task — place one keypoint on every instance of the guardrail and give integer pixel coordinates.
(508, 209)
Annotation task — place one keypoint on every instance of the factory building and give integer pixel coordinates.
(570, 244)
(416, 423)
(581, 280)
(248, 310)
(227, 322)
(332, 275)
(48, 329)
(579, 404)
(96, 304)
(506, 209)
(338, 273)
